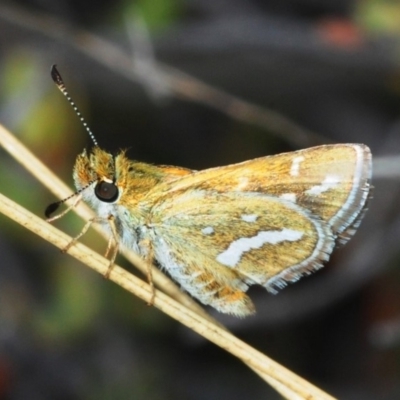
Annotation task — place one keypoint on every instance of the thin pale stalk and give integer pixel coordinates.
(285, 381)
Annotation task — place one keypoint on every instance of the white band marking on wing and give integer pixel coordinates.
(232, 255)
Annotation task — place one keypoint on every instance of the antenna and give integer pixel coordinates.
(51, 208)
(60, 84)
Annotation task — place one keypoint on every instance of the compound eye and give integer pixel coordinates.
(106, 191)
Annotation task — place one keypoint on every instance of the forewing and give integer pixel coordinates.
(331, 181)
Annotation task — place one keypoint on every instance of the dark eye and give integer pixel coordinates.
(107, 192)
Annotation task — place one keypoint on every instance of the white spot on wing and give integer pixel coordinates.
(232, 255)
(330, 182)
(295, 168)
(289, 196)
(249, 217)
(242, 183)
(207, 230)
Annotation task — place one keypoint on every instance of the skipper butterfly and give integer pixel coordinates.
(266, 221)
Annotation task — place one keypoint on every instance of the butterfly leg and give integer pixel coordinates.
(81, 233)
(113, 238)
(147, 249)
(110, 248)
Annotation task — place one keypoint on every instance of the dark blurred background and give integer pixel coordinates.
(323, 71)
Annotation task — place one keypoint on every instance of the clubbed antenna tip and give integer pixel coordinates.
(51, 208)
(56, 76)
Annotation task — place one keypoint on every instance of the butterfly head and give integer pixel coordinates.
(101, 174)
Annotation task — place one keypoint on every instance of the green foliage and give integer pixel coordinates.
(157, 14)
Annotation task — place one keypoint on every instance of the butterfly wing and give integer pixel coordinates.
(217, 244)
(331, 181)
(266, 221)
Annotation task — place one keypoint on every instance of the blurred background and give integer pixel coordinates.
(198, 83)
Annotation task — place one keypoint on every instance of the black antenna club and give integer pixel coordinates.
(56, 76)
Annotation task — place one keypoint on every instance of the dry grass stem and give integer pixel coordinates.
(292, 386)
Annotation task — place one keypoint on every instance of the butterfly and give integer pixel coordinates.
(266, 221)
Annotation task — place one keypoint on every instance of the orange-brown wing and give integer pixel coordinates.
(331, 181)
(216, 245)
